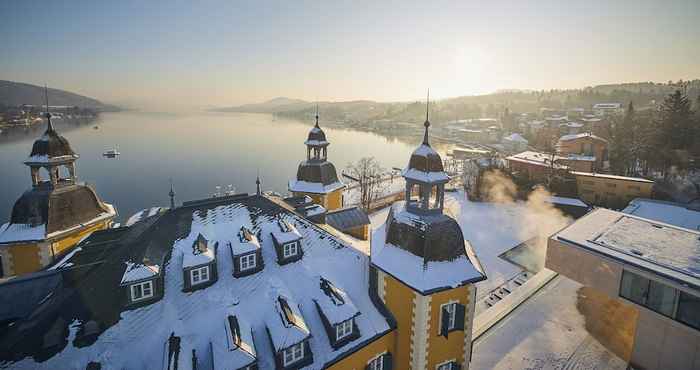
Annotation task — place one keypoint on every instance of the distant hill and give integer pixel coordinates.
(17, 93)
(275, 105)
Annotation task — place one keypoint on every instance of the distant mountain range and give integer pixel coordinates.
(642, 94)
(17, 93)
(275, 105)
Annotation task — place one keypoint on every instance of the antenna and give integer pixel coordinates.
(48, 114)
(316, 114)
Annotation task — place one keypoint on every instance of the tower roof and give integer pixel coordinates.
(51, 147)
(425, 164)
(316, 136)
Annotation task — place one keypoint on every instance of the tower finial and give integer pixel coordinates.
(427, 121)
(316, 114)
(48, 114)
(258, 191)
(172, 195)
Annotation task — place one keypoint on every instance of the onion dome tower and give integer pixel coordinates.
(316, 176)
(51, 217)
(420, 262)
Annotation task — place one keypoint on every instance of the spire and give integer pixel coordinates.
(317, 115)
(427, 121)
(48, 115)
(257, 185)
(172, 195)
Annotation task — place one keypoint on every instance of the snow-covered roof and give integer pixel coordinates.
(536, 158)
(411, 270)
(672, 213)
(580, 136)
(287, 327)
(139, 271)
(579, 157)
(314, 187)
(200, 252)
(142, 215)
(516, 137)
(660, 248)
(335, 304)
(316, 142)
(247, 242)
(199, 317)
(417, 175)
(613, 177)
(566, 201)
(21, 232)
(607, 106)
(234, 349)
(285, 232)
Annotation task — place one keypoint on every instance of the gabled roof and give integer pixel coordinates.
(201, 252)
(285, 232)
(247, 242)
(583, 135)
(347, 218)
(335, 304)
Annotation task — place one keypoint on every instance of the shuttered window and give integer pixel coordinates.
(451, 318)
(381, 362)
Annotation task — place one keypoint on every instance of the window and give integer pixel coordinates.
(247, 262)
(689, 310)
(141, 291)
(199, 275)
(449, 365)
(293, 354)
(648, 293)
(343, 329)
(377, 363)
(290, 250)
(449, 309)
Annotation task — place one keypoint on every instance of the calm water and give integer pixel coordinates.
(198, 151)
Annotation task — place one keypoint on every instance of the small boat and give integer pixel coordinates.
(96, 127)
(111, 153)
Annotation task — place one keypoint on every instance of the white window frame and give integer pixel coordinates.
(202, 275)
(287, 249)
(452, 312)
(296, 353)
(250, 262)
(142, 286)
(447, 365)
(377, 363)
(343, 329)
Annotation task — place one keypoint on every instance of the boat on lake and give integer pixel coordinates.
(111, 153)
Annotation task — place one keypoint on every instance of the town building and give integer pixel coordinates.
(585, 146)
(514, 143)
(651, 268)
(49, 219)
(604, 109)
(679, 214)
(611, 191)
(350, 220)
(419, 255)
(316, 176)
(535, 166)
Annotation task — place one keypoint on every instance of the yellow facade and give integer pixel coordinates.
(441, 349)
(358, 360)
(25, 258)
(399, 300)
(330, 201)
(611, 191)
(31, 257)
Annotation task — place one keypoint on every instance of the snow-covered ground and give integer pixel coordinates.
(546, 332)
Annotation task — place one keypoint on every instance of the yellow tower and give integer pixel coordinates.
(316, 176)
(422, 272)
(55, 214)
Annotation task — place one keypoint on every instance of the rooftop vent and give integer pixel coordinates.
(200, 245)
(245, 235)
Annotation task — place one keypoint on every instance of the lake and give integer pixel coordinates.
(198, 151)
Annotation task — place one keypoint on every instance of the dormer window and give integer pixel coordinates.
(293, 354)
(247, 262)
(287, 242)
(141, 291)
(199, 275)
(344, 329)
(246, 253)
(291, 249)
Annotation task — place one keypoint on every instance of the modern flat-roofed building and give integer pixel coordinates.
(647, 265)
(611, 191)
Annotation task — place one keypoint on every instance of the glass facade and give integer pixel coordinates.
(661, 298)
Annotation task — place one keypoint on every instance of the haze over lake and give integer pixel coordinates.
(198, 151)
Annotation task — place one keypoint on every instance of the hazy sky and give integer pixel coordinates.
(183, 54)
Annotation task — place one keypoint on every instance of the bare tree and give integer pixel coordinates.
(367, 173)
